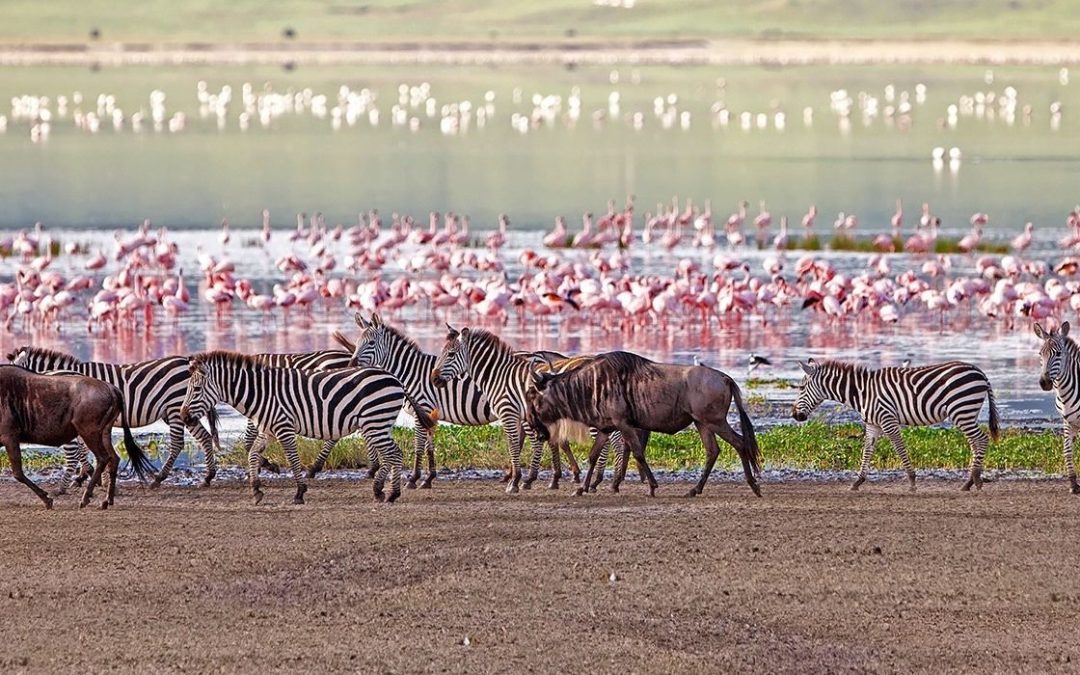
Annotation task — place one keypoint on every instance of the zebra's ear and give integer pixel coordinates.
(808, 367)
(361, 321)
(451, 332)
(1040, 332)
(376, 320)
(1064, 328)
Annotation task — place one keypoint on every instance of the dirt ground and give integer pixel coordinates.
(463, 577)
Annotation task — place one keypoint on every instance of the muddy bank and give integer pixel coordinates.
(809, 578)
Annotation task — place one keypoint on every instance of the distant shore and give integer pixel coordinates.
(643, 52)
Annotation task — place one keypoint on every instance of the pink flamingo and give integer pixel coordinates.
(1022, 241)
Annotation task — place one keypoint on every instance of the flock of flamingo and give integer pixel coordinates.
(415, 107)
(719, 267)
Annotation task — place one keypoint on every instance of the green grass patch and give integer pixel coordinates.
(771, 383)
(813, 446)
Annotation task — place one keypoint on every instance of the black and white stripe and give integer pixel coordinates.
(888, 398)
(285, 403)
(1060, 357)
(152, 390)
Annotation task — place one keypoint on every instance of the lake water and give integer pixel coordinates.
(1016, 167)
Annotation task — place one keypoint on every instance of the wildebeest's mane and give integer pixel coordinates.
(43, 352)
(631, 365)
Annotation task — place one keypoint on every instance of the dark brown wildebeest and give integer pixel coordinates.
(53, 410)
(619, 391)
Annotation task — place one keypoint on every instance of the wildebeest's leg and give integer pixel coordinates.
(106, 457)
(873, 433)
(977, 440)
(594, 455)
(892, 432)
(101, 462)
(571, 460)
(631, 437)
(1070, 467)
(176, 446)
(14, 453)
(736, 441)
(556, 463)
(324, 454)
(419, 447)
(429, 447)
(206, 443)
(644, 436)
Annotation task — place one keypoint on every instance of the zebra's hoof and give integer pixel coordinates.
(756, 488)
(83, 503)
(1075, 489)
(426, 485)
(553, 485)
(511, 489)
(379, 495)
(411, 485)
(257, 496)
(48, 504)
(104, 504)
(692, 492)
(392, 497)
(156, 483)
(527, 485)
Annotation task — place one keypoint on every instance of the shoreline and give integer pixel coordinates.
(642, 52)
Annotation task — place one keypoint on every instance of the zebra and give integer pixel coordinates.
(1060, 357)
(504, 376)
(887, 398)
(286, 403)
(327, 359)
(152, 391)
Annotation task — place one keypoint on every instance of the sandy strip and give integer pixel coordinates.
(719, 52)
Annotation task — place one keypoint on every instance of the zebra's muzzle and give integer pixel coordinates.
(798, 415)
(438, 380)
(1045, 383)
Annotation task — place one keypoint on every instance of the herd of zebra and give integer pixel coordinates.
(478, 379)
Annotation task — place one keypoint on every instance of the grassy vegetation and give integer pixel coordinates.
(771, 383)
(843, 242)
(285, 21)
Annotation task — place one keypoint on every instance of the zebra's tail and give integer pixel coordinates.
(995, 426)
(345, 342)
(750, 444)
(140, 463)
(427, 420)
(211, 420)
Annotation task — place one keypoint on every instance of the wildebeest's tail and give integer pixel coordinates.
(140, 463)
(995, 425)
(345, 342)
(747, 427)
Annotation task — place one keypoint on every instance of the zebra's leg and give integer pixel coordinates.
(892, 431)
(87, 469)
(978, 440)
(320, 461)
(575, 469)
(873, 433)
(391, 458)
(512, 429)
(1070, 434)
(430, 450)
(287, 438)
(176, 446)
(556, 463)
(255, 463)
(71, 463)
(419, 446)
(206, 442)
(602, 458)
(594, 455)
(534, 462)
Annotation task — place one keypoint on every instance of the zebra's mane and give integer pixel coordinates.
(842, 366)
(478, 337)
(42, 352)
(228, 358)
(397, 334)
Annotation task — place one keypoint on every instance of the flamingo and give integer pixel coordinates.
(1022, 241)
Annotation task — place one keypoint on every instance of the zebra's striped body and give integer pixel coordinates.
(888, 398)
(1060, 358)
(504, 376)
(285, 403)
(460, 402)
(152, 390)
(327, 359)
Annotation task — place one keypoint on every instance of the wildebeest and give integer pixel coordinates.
(54, 409)
(626, 392)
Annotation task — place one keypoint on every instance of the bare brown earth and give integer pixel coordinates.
(711, 52)
(811, 578)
